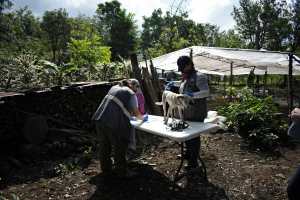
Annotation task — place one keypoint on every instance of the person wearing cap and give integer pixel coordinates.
(195, 85)
(112, 121)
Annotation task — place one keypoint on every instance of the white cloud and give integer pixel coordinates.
(213, 11)
(202, 11)
(143, 8)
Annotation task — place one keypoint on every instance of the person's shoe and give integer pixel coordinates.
(190, 167)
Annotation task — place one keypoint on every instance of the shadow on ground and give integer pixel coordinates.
(151, 184)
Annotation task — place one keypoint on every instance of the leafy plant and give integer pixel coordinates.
(87, 53)
(13, 197)
(255, 121)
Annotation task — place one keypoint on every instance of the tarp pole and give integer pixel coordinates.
(265, 82)
(135, 67)
(231, 74)
(290, 83)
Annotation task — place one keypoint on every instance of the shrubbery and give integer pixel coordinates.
(255, 120)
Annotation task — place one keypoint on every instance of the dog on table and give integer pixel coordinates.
(175, 101)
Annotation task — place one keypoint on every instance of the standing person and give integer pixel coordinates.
(141, 106)
(293, 188)
(194, 84)
(139, 94)
(112, 120)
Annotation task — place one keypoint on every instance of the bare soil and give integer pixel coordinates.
(233, 171)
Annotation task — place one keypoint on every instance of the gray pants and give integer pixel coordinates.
(111, 145)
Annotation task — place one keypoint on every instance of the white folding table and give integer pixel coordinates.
(156, 126)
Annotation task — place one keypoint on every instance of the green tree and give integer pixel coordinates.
(230, 39)
(20, 32)
(57, 28)
(117, 27)
(4, 20)
(296, 26)
(276, 24)
(152, 29)
(5, 4)
(248, 23)
(264, 23)
(82, 27)
(26, 31)
(86, 53)
(165, 33)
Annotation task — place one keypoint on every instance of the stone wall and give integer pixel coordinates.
(61, 106)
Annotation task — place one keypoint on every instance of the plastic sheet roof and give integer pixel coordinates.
(217, 61)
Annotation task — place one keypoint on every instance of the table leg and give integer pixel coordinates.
(203, 168)
(177, 177)
(180, 165)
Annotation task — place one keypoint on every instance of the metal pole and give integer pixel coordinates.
(265, 82)
(290, 83)
(231, 74)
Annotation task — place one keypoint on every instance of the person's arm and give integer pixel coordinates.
(134, 107)
(202, 85)
(137, 114)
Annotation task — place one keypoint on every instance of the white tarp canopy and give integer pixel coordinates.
(217, 61)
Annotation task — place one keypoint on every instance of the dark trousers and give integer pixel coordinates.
(196, 112)
(293, 188)
(192, 151)
(111, 145)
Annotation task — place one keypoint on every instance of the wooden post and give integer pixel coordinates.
(155, 80)
(231, 74)
(257, 83)
(290, 83)
(265, 82)
(145, 59)
(135, 67)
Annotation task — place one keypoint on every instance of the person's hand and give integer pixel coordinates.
(145, 117)
(190, 94)
(169, 86)
(132, 118)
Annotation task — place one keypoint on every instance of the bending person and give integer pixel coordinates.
(112, 120)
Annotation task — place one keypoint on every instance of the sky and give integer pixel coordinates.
(216, 12)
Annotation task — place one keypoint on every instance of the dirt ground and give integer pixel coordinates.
(233, 173)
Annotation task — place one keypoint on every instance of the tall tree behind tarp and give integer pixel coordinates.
(296, 25)
(117, 27)
(276, 24)
(57, 27)
(166, 32)
(247, 18)
(152, 28)
(264, 23)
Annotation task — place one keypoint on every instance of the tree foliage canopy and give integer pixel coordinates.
(264, 23)
(57, 28)
(117, 28)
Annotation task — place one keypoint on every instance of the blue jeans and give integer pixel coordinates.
(293, 188)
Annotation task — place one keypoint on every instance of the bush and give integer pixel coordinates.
(254, 119)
